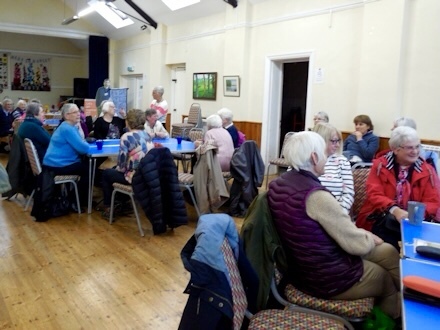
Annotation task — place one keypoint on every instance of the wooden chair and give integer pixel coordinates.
(280, 161)
(36, 170)
(194, 120)
(127, 190)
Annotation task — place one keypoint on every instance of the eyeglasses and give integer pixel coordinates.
(73, 112)
(411, 148)
(335, 141)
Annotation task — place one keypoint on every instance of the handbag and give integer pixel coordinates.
(60, 204)
(386, 226)
(5, 185)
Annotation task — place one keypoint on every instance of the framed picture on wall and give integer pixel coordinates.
(231, 85)
(205, 86)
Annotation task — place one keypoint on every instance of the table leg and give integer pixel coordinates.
(92, 169)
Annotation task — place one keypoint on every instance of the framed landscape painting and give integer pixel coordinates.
(231, 86)
(205, 86)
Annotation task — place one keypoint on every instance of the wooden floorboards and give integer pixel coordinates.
(80, 272)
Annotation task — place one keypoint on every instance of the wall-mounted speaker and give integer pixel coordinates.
(233, 3)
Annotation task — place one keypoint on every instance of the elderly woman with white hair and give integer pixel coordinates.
(397, 177)
(108, 126)
(226, 115)
(218, 136)
(328, 256)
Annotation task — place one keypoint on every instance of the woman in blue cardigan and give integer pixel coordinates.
(362, 144)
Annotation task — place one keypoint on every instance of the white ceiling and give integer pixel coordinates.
(155, 9)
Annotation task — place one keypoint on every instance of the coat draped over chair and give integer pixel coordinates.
(156, 188)
(247, 169)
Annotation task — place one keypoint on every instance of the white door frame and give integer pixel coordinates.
(134, 96)
(273, 93)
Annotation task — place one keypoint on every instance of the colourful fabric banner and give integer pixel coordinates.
(30, 73)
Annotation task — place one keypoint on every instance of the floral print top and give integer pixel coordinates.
(133, 147)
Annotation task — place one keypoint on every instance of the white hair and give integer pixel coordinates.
(106, 105)
(401, 135)
(405, 121)
(299, 147)
(214, 121)
(226, 114)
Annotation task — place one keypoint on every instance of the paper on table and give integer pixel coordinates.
(421, 242)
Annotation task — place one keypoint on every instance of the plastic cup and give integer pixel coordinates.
(179, 139)
(99, 144)
(416, 212)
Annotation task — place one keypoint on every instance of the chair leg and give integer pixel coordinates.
(75, 186)
(29, 200)
(267, 176)
(194, 200)
(112, 205)
(137, 215)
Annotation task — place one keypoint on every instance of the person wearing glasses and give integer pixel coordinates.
(320, 117)
(362, 144)
(337, 177)
(66, 149)
(399, 176)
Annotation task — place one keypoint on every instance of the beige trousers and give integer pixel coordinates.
(381, 279)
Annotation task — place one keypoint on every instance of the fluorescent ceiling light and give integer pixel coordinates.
(110, 14)
(178, 4)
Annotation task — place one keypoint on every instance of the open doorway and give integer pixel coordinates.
(292, 70)
(293, 106)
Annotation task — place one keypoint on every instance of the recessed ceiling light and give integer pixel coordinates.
(178, 4)
(111, 15)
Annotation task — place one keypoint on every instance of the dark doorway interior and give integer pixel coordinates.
(293, 111)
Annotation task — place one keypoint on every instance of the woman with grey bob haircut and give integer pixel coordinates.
(300, 146)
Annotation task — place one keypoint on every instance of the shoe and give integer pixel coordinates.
(105, 214)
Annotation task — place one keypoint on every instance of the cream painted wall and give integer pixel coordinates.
(67, 62)
(378, 56)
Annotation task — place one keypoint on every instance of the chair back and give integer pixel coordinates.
(195, 115)
(196, 134)
(32, 154)
(360, 173)
(286, 137)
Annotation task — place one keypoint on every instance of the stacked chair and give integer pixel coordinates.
(360, 171)
(194, 121)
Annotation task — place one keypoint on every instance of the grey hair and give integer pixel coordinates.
(226, 114)
(159, 89)
(323, 115)
(401, 135)
(66, 108)
(33, 109)
(106, 105)
(405, 121)
(7, 100)
(150, 112)
(299, 147)
(214, 121)
(21, 102)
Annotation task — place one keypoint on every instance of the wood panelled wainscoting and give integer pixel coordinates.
(252, 130)
(383, 141)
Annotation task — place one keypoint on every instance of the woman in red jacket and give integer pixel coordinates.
(397, 177)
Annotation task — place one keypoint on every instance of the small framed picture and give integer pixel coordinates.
(231, 86)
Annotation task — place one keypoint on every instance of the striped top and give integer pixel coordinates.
(338, 179)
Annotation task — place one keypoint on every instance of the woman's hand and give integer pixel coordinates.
(400, 214)
(158, 145)
(197, 143)
(358, 135)
(122, 113)
(160, 135)
(377, 240)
